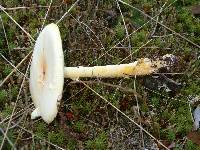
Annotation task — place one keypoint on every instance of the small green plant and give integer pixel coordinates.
(71, 145)
(41, 129)
(57, 137)
(7, 70)
(191, 146)
(138, 38)
(108, 40)
(113, 97)
(155, 101)
(79, 126)
(192, 89)
(3, 95)
(42, 2)
(182, 119)
(11, 137)
(119, 31)
(14, 91)
(99, 143)
(170, 135)
(7, 110)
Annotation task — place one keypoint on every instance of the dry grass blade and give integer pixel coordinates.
(116, 45)
(126, 116)
(9, 141)
(23, 7)
(15, 105)
(67, 12)
(82, 23)
(2, 8)
(7, 77)
(135, 51)
(100, 35)
(56, 146)
(138, 111)
(4, 31)
(17, 114)
(127, 34)
(46, 14)
(13, 65)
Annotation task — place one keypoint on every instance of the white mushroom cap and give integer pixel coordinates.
(47, 73)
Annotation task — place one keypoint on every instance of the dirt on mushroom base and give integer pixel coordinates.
(87, 110)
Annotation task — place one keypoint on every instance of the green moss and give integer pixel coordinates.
(187, 23)
(170, 135)
(119, 31)
(14, 91)
(192, 89)
(83, 107)
(136, 18)
(155, 101)
(182, 120)
(41, 129)
(7, 110)
(79, 126)
(57, 137)
(191, 146)
(7, 70)
(99, 143)
(42, 2)
(165, 114)
(3, 95)
(72, 144)
(181, 3)
(11, 3)
(108, 40)
(138, 38)
(87, 107)
(113, 97)
(11, 137)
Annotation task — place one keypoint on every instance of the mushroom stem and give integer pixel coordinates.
(143, 66)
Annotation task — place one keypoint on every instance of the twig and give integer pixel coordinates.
(94, 34)
(17, 114)
(23, 7)
(124, 89)
(162, 36)
(4, 31)
(67, 12)
(150, 47)
(2, 8)
(154, 30)
(8, 76)
(129, 46)
(13, 65)
(46, 15)
(9, 141)
(135, 51)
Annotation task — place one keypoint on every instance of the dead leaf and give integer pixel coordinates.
(70, 116)
(194, 136)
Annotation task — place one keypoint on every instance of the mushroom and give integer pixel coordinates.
(47, 72)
